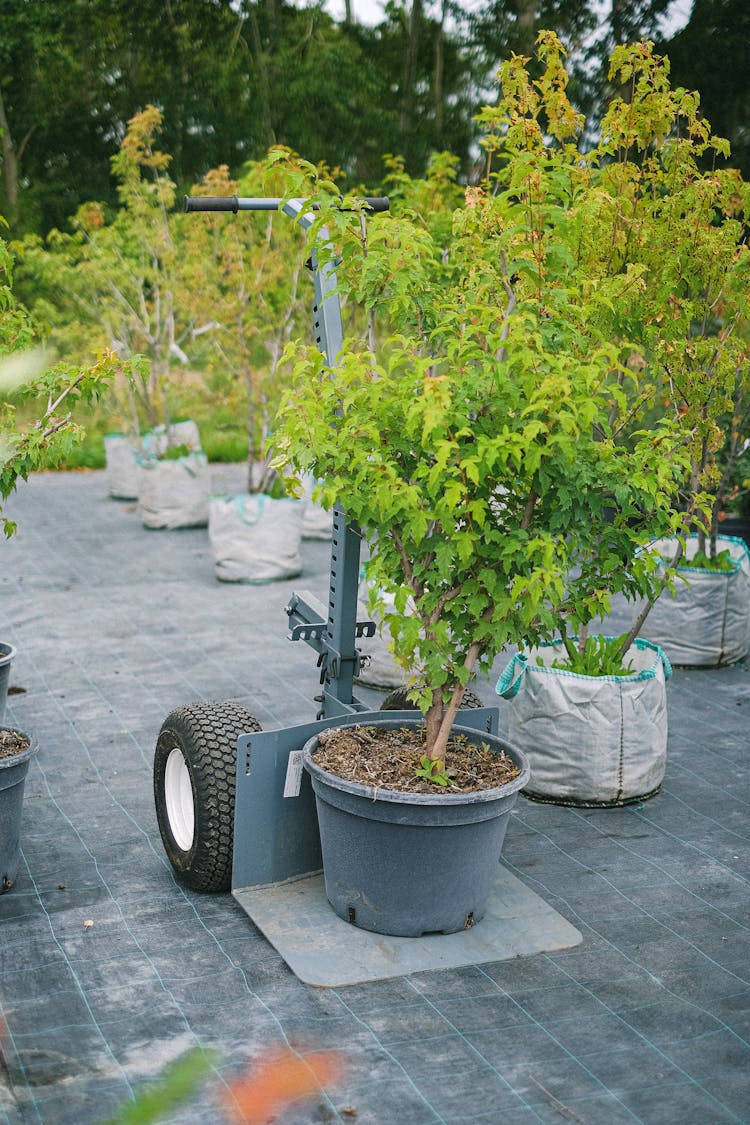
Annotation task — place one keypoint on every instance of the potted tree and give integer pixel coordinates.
(480, 451)
(673, 234)
(688, 247)
(26, 446)
(124, 283)
(433, 200)
(732, 516)
(705, 620)
(250, 270)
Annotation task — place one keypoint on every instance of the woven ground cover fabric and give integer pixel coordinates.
(646, 1021)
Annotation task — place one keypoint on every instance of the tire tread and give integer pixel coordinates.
(206, 733)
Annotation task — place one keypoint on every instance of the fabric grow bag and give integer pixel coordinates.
(255, 538)
(158, 440)
(174, 494)
(590, 740)
(707, 621)
(121, 457)
(317, 523)
(379, 669)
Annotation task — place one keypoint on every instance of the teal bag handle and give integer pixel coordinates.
(661, 654)
(510, 681)
(190, 464)
(240, 503)
(665, 661)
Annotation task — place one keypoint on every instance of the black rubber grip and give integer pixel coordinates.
(212, 203)
(234, 204)
(377, 202)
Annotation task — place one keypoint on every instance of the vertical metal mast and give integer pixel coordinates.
(339, 658)
(331, 630)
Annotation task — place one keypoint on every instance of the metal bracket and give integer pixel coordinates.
(308, 623)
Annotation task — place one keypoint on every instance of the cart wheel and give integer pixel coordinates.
(194, 784)
(398, 700)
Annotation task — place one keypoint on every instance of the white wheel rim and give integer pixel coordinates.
(178, 797)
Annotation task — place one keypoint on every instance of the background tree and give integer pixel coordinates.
(73, 72)
(40, 438)
(117, 284)
(244, 276)
(232, 77)
(712, 55)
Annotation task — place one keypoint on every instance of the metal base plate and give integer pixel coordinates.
(323, 950)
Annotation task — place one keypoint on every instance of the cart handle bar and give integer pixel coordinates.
(234, 203)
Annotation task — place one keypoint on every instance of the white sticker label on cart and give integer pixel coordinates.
(293, 774)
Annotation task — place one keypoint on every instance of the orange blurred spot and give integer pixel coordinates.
(277, 1079)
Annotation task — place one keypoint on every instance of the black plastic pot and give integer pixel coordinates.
(12, 780)
(736, 525)
(7, 652)
(408, 864)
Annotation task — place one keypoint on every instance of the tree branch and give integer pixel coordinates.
(500, 353)
(649, 605)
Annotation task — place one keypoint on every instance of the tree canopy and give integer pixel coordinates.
(232, 77)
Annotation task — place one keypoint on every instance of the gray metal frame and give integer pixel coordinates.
(276, 837)
(333, 637)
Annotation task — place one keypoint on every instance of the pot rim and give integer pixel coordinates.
(7, 652)
(24, 755)
(403, 797)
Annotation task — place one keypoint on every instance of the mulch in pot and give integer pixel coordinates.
(12, 743)
(388, 759)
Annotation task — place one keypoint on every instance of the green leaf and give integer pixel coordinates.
(177, 1086)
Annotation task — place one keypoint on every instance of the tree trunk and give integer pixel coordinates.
(439, 74)
(433, 721)
(10, 165)
(640, 620)
(263, 80)
(527, 14)
(273, 9)
(409, 73)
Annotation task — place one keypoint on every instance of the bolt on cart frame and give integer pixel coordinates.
(233, 806)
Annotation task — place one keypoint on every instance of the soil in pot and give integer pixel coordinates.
(388, 759)
(15, 752)
(12, 743)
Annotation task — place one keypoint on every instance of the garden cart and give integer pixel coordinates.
(234, 808)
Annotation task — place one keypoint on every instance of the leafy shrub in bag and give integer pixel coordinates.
(174, 493)
(589, 739)
(255, 538)
(707, 621)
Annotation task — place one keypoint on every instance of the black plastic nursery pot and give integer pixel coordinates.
(7, 652)
(13, 772)
(739, 526)
(409, 864)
